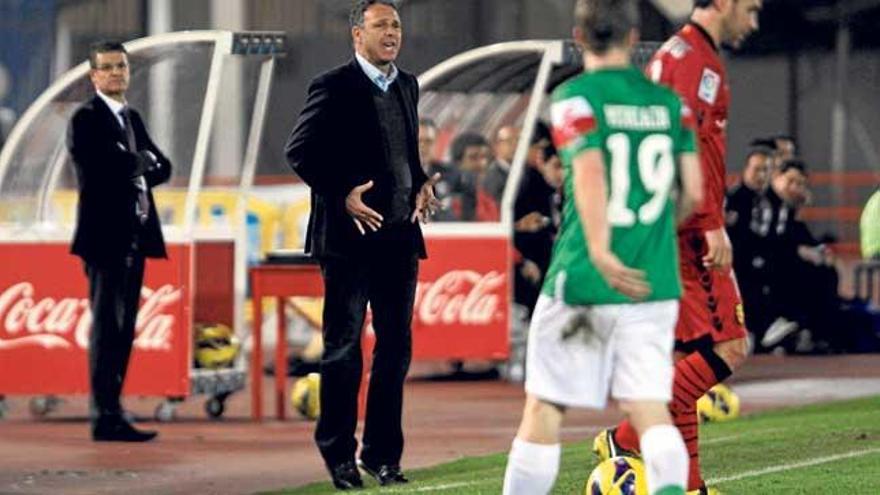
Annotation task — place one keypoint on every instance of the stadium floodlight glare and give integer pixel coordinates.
(259, 43)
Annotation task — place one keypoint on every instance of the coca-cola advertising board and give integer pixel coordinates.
(45, 322)
(462, 306)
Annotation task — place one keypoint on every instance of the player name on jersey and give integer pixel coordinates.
(637, 118)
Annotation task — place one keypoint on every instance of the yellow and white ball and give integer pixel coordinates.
(720, 403)
(622, 475)
(306, 394)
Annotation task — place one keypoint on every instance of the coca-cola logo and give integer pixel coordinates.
(463, 297)
(65, 323)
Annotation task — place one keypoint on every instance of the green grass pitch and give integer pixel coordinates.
(819, 449)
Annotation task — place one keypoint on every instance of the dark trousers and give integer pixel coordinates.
(388, 282)
(114, 292)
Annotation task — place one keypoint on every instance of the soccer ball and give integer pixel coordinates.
(620, 475)
(719, 404)
(305, 396)
(216, 346)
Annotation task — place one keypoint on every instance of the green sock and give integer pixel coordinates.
(670, 490)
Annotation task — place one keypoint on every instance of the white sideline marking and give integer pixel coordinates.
(728, 438)
(711, 481)
(427, 488)
(794, 465)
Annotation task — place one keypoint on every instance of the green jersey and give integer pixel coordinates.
(640, 128)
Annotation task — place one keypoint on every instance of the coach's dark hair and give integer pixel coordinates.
(104, 46)
(356, 16)
(464, 141)
(606, 22)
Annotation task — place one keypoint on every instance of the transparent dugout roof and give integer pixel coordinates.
(484, 89)
(198, 93)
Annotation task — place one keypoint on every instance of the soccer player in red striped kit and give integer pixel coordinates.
(710, 334)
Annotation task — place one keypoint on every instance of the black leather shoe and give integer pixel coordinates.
(346, 477)
(120, 431)
(384, 474)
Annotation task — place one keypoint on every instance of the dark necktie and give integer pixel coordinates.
(142, 205)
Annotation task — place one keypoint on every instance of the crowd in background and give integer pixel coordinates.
(472, 185)
(787, 274)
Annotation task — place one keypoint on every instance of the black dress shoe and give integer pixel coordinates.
(385, 474)
(120, 431)
(346, 477)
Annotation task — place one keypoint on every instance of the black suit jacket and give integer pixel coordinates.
(106, 221)
(337, 144)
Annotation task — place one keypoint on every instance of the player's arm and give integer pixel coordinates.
(685, 76)
(699, 96)
(590, 194)
(689, 169)
(691, 185)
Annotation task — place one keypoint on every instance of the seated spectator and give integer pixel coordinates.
(804, 279)
(783, 146)
(449, 175)
(869, 228)
(470, 153)
(427, 138)
(537, 215)
(749, 215)
(504, 147)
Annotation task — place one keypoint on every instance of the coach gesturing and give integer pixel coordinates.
(356, 145)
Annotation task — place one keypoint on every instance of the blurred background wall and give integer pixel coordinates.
(809, 56)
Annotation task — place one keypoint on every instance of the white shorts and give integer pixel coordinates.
(625, 346)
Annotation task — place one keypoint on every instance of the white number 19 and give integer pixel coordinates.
(656, 172)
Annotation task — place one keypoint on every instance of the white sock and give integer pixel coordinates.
(531, 468)
(666, 458)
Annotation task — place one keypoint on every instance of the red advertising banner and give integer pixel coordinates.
(462, 307)
(45, 322)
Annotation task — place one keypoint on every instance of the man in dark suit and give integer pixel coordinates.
(356, 145)
(117, 227)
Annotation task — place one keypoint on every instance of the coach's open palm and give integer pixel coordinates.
(426, 202)
(627, 281)
(360, 212)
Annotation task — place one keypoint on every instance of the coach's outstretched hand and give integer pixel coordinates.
(623, 279)
(426, 203)
(360, 212)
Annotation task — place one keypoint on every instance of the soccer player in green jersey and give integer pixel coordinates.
(605, 320)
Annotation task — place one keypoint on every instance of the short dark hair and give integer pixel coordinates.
(426, 122)
(793, 164)
(541, 133)
(759, 150)
(702, 4)
(605, 22)
(549, 152)
(103, 46)
(786, 137)
(764, 142)
(356, 16)
(464, 141)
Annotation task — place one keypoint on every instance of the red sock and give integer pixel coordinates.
(694, 376)
(626, 436)
(688, 426)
